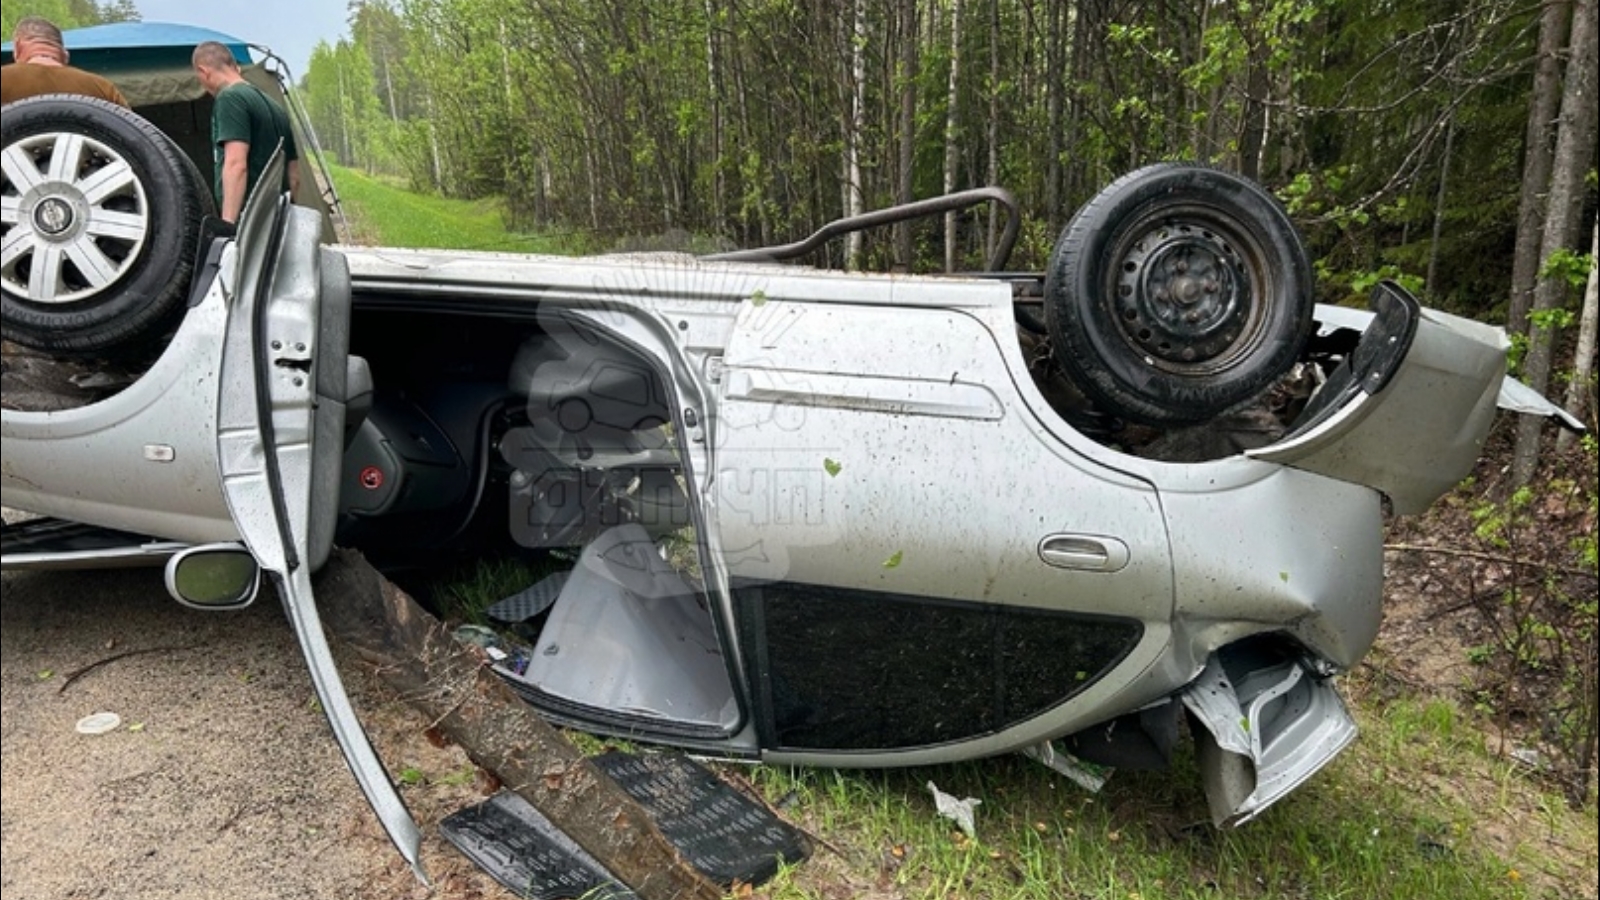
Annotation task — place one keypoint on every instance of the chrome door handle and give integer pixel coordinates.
(1088, 552)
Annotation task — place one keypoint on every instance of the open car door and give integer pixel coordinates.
(286, 374)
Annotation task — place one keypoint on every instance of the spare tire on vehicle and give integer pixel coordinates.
(1179, 292)
(100, 220)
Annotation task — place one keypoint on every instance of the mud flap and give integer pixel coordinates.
(1268, 725)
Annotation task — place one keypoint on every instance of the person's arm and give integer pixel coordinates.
(294, 177)
(235, 178)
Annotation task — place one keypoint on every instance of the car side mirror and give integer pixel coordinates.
(214, 577)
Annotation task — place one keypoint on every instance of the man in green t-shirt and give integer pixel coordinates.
(246, 127)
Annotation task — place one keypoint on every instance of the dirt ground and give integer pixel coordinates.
(223, 780)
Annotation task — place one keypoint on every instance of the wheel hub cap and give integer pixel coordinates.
(74, 218)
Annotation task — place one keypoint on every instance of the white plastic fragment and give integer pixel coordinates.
(1086, 775)
(958, 811)
(99, 723)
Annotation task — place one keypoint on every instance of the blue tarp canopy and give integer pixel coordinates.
(134, 46)
(150, 61)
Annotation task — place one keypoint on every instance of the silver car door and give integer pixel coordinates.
(270, 416)
(884, 496)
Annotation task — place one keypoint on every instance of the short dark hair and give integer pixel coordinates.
(213, 55)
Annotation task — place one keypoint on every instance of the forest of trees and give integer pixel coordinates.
(1395, 130)
(1446, 143)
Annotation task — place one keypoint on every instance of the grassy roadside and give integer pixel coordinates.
(1418, 809)
(383, 212)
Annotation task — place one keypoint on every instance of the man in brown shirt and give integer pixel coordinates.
(41, 67)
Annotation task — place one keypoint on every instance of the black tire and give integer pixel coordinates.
(1177, 293)
(109, 211)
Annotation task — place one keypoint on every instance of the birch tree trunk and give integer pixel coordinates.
(951, 126)
(1438, 207)
(906, 73)
(854, 201)
(1580, 391)
(714, 89)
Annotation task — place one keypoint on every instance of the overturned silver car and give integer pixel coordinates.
(804, 516)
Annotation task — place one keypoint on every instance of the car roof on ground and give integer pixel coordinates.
(123, 46)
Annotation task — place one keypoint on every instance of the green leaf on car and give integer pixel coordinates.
(831, 467)
(894, 561)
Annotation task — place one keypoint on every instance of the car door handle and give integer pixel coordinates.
(1089, 552)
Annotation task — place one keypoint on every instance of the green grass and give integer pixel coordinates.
(1414, 810)
(464, 596)
(384, 213)
(1417, 809)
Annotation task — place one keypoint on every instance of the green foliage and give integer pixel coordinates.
(66, 13)
(1552, 319)
(1361, 283)
(1571, 267)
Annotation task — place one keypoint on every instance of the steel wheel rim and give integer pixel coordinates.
(1188, 291)
(74, 217)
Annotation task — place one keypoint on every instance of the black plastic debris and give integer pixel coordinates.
(524, 851)
(726, 836)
